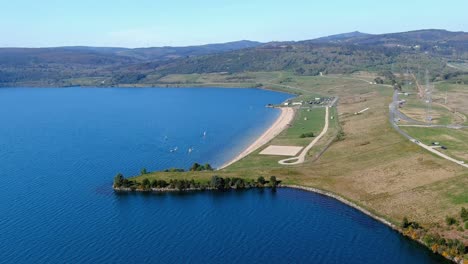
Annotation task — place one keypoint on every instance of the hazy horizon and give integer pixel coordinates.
(217, 42)
(148, 24)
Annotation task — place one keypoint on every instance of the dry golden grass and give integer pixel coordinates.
(373, 166)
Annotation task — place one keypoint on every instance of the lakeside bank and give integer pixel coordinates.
(267, 185)
(354, 206)
(282, 122)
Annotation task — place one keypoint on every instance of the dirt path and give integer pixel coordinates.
(301, 158)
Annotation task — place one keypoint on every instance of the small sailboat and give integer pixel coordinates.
(204, 133)
(173, 150)
(190, 150)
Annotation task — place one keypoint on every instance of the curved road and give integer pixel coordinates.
(301, 158)
(394, 112)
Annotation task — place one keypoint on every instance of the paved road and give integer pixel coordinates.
(413, 122)
(393, 113)
(301, 158)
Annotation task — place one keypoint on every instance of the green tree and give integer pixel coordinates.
(261, 180)
(179, 185)
(118, 180)
(154, 183)
(162, 184)
(195, 167)
(378, 80)
(143, 171)
(217, 182)
(145, 183)
(405, 222)
(208, 167)
(300, 71)
(464, 214)
(273, 181)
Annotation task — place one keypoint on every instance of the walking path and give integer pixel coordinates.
(301, 158)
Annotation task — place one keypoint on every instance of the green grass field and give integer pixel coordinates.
(289, 137)
(305, 121)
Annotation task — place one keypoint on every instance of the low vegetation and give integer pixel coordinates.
(307, 135)
(454, 249)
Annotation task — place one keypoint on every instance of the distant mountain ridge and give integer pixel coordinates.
(340, 37)
(341, 53)
(112, 55)
(416, 37)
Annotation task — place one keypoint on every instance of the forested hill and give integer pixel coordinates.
(343, 53)
(435, 41)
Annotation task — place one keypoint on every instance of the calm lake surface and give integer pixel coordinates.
(60, 148)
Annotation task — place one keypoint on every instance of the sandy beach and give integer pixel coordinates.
(285, 118)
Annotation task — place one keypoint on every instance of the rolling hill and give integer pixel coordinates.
(342, 53)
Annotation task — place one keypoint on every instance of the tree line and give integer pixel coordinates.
(215, 183)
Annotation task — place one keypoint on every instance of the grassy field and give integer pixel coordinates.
(456, 140)
(457, 98)
(372, 165)
(290, 137)
(416, 109)
(306, 120)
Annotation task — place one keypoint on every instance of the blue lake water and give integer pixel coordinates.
(60, 148)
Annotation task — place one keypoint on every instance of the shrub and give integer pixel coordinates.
(450, 220)
(464, 214)
(405, 223)
(307, 135)
(429, 239)
(341, 135)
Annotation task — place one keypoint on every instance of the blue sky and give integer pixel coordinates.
(144, 23)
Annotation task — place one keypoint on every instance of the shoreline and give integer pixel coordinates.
(366, 212)
(307, 189)
(281, 123)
